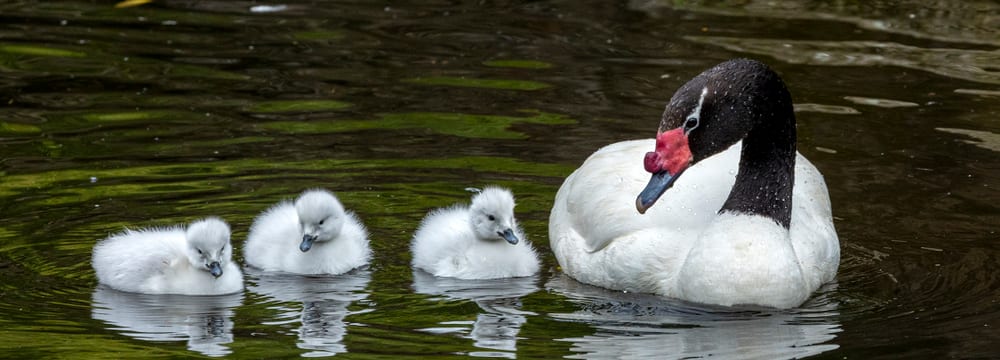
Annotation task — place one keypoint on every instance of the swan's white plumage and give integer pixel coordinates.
(461, 242)
(682, 247)
(275, 236)
(167, 260)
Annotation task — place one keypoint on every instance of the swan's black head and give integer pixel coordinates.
(710, 113)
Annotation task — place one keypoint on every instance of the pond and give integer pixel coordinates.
(168, 111)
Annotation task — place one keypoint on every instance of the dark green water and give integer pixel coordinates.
(174, 110)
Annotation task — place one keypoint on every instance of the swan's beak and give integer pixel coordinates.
(307, 242)
(215, 269)
(658, 184)
(509, 236)
(672, 155)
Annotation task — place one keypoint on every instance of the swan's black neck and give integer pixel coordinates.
(767, 170)
(742, 100)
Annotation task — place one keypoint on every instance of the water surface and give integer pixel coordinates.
(173, 110)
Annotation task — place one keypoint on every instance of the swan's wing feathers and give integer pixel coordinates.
(442, 234)
(273, 232)
(600, 196)
(812, 231)
(276, 223)
(128, 260)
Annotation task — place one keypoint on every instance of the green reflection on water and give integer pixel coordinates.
(127, 116)
(384, 331)
(192, 177)
(19, 249)
(464, 125)
(18, 129)
(32, 50)
(209, 143)
(75, 121)
(41, 60)
(24, 341)
(522, 85)
(50, 148)
(298, 105)
(518, 64)
(110, 99)
(84, 194)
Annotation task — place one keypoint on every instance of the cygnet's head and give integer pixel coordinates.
(321, 217)
(208, 245)
(492, 215)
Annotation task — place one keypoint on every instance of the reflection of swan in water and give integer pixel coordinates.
(204, 321)
(324, 300)
(496, 328)
(633, 325)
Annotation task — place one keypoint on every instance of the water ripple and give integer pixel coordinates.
(949, 20)
(972, 65)
(317, 304)
(204, 322)
(984, 139)
(629, 325)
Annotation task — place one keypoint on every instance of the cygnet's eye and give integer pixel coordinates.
(491, 217)
(199, 251)
(322, 221)
(690, 124)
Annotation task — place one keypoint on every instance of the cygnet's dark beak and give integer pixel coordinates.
(307, 242)
(509, 236)
(215, 269)
(658, 184)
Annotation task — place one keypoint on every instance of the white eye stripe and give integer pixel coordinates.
(696, 113)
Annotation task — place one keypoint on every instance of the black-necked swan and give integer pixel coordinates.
(742, 219)
(196, 260)
(313, 235)
(479, 241)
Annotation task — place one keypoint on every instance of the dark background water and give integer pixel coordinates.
(173, 110)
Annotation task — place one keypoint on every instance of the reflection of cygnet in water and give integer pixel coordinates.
(633, 325)
(496, 328)
(324, 301)
(205, 322)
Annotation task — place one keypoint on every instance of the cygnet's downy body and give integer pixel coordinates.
(196, 260)
(313, 235)
(479, 241)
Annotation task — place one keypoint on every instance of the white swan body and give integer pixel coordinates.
(192, 261)
(685, 247)
(481, 241)
(334, 240)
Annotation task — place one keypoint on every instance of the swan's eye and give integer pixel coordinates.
(491, 217)
(322, 221)
(690, 124)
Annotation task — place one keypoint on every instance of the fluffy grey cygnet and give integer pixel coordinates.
(196, 260)
(479, 241)
(312, 235)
